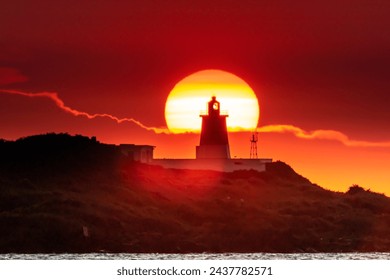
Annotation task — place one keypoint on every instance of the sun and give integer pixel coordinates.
(189, 98)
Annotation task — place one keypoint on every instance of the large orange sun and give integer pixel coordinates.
(189, 98)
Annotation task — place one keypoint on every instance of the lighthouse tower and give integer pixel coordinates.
(214, 143)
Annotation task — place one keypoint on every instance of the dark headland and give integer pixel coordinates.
(61, 193)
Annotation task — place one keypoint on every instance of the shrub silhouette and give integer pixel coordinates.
(355, 189)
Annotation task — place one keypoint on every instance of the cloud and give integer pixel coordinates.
(10, 76)
(60, 104)
(321, 134)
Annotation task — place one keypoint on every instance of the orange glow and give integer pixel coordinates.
(190, 96)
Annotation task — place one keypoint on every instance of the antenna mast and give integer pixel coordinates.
(254, 140)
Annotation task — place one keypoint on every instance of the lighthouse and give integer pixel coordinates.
(214, 143)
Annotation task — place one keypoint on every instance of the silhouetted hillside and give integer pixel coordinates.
(52, 186)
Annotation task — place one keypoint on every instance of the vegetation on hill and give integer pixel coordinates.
(53, 187)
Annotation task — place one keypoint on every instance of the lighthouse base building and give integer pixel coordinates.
(224, 165)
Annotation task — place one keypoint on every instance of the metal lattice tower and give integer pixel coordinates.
(254, 140)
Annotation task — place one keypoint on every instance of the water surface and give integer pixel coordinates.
(205, 256)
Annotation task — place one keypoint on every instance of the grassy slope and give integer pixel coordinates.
(51, 186)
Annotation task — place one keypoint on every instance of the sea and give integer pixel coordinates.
(205, 256)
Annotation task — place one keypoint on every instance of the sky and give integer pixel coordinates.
(320, 71)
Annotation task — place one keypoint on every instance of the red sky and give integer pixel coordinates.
(316, 65)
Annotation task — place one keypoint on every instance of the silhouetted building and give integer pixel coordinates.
(141, 153)
(213, 152)
(214, 143)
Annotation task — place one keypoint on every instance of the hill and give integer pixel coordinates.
(61, 193)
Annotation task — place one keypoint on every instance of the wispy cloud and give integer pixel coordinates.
(333, 135)
(53, 96)
(321, 134)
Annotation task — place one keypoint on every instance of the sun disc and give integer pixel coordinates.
(189, 98)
